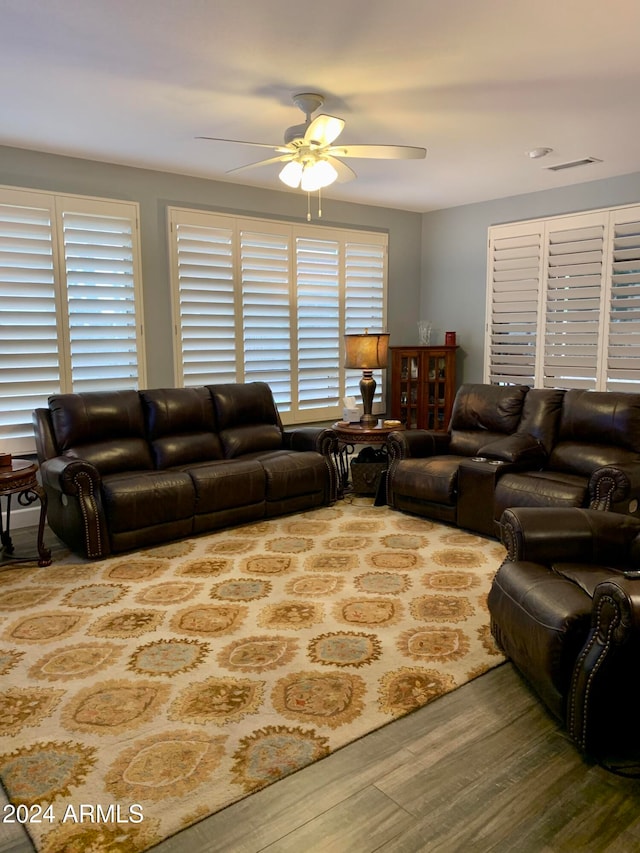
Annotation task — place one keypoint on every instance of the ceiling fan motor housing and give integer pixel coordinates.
(308, 102)
(295, 133)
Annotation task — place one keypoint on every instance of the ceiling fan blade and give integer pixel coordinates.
(282, 148)
(323, 130)
(345, 173)
(383, 152)
(283, 158)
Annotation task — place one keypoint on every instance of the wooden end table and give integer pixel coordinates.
(19, 478)
(355, 433)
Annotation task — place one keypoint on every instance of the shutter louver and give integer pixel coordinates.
(623, 353)
(514, 275)
(266, 312)
(572, 317)
(206, 308)
(101, 299)
(318, 327)
(28, 326)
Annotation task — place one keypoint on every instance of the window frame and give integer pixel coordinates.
(16, 435)
(602, 293)
(226, 265)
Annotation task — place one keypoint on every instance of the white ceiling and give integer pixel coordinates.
(476, 82)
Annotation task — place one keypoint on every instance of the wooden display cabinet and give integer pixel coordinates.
(423, 385)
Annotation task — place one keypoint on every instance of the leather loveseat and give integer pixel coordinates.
(130, 469)
(565, 608)
(517, 446)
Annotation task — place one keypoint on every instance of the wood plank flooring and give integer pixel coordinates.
(482, 769)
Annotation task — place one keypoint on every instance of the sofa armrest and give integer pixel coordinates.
(320, 439)
(417, 443)
(568, 535)
(68, 475)
(615, 624)
(73, 489)
(613, 484)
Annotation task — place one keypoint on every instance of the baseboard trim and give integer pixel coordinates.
(24, 516)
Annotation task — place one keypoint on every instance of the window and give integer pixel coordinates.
(255, 300)
(71, 303)
(563, 302)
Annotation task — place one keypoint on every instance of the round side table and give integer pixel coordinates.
(354, 433)
(19, 478)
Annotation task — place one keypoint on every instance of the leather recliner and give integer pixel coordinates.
(517, 446)
(565, 608)
(508, 426)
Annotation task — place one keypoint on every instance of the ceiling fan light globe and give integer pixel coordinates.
(318, 175)
(291, 174)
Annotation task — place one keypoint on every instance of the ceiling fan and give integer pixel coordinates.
(311, 160)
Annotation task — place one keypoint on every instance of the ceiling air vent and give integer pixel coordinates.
(573, 164)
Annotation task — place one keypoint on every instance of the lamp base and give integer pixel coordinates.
(369, 421)
(368, 389)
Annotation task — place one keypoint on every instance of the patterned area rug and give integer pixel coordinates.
(142, 693)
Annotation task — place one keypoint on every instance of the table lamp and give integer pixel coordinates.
(367, 353)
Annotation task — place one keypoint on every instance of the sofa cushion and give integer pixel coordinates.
(143, 499)
(601, 417)
(586, 457)
(541, 415)
(540, 488)
(489, 408)
(181, 426)
(292, 473)
(104, 427)
(226, 484)
(247, 418)
(433, 479)
(469, 442)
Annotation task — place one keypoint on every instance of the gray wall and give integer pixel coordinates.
(454, 256)
(155, 191)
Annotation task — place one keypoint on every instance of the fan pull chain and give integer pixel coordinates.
(309, 205)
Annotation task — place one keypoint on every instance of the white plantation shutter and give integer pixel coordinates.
(318, 322)
(266, 312)
(69, 286)
(270, 301)
(204, 303)
(514, 271)
(586, 298)
(365, 303)
(623, 350)
(574, 301)
(29, 354)
(101, 300)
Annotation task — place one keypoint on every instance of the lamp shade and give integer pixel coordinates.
(366, 352)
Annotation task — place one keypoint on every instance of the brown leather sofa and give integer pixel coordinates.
(130, 469)
(517, 446)
(565, 608)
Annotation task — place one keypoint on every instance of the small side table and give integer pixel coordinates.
(19, 478)
(351, 434)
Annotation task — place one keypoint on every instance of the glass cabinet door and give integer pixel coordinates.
(423, 386)
(409, 376)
